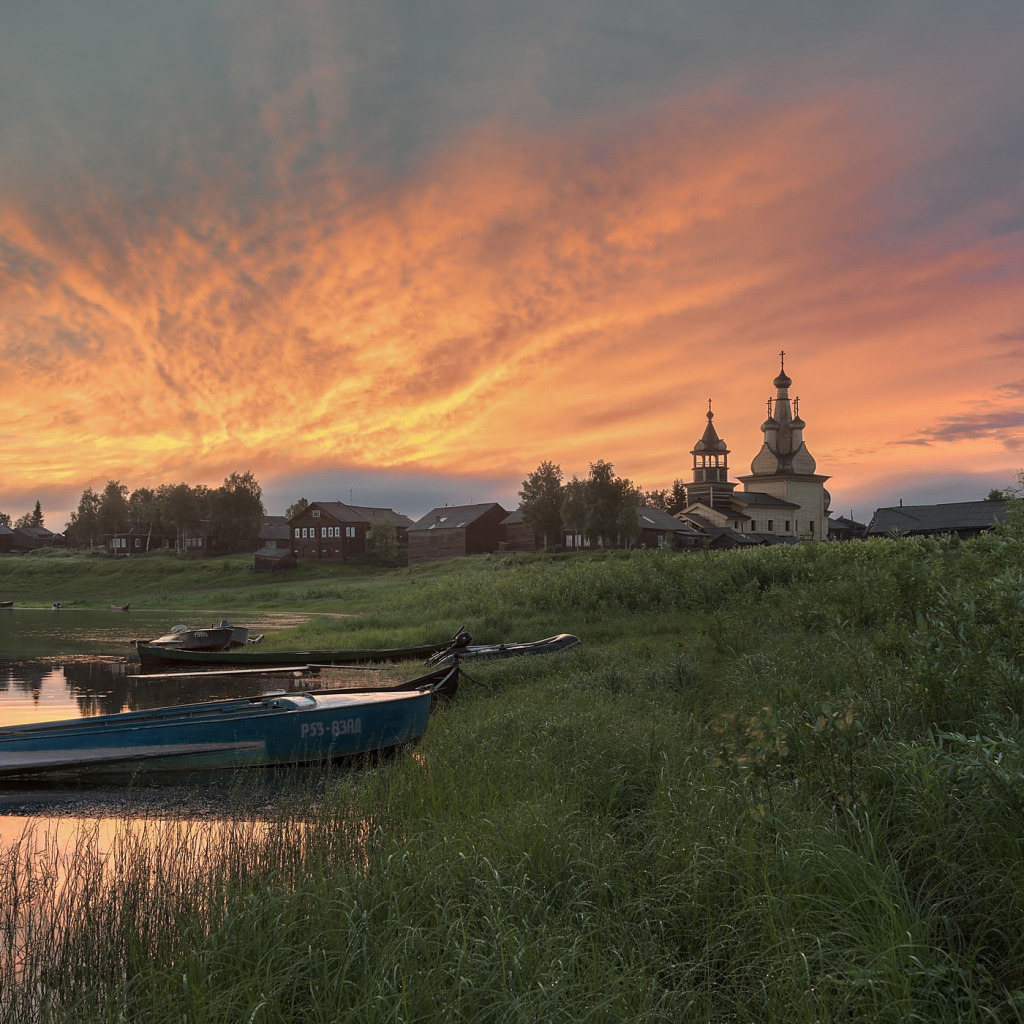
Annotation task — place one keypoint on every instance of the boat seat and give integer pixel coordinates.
(292, 701)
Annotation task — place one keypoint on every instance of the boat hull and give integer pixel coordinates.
(485, 652)
(285, 729)
(154, 656)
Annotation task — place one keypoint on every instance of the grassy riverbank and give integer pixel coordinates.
(777, 785)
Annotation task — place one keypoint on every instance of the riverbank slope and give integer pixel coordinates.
(777, 785)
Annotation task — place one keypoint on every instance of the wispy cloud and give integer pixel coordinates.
(364, 235)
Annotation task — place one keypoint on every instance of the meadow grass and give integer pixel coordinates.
(775, 785)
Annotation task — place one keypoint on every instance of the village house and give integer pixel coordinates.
(964, 518)
(456, 530)
(274, 546)
(334, 531)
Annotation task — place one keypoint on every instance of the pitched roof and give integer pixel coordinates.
(658, 519)
(946, 518)
(274, 528)
(760, 498)
(454, 517)
(375, 515)
(337, 510)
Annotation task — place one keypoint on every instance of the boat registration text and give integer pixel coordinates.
(336, 727)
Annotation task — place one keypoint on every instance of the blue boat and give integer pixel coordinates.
(270, 730)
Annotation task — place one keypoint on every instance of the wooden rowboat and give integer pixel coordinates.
(6, 604)
(156, 657)
(120, 607)
(268, 730)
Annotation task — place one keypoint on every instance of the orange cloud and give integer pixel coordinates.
(521, 296)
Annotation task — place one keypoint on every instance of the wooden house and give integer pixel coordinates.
(6, 537)
(329, 530)
(456, 530)
(30, 538)
(842, 528)
(274, 533)
(517, 536)
(375, 516)
(964, 518)
(658, 529)
(197, 541)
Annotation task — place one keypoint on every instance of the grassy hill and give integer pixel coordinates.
(775, 785)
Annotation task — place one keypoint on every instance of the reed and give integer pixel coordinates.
(780, 785)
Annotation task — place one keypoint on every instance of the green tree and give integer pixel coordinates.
(677, 497)
(236, 512)
(5, 520)
(113, 509)
(385, 538)
(601, 522)
(83, 528)
(294, 509)
(656, 499)
(33, 518)
(180, 509)
(144, 514)
(574, 505)
(540, 501)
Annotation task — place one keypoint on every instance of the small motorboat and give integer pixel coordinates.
(463, 650)
(214, 638)
(268, 730)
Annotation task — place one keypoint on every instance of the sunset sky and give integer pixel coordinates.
(398, 252)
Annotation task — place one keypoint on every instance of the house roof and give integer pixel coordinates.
(375, 515)
(958, 515)
(5, 530)
(35, 532)
(658, 519)
(274, 528)
(336, 510)
(843, 523)
(454, 517)
(275, 553)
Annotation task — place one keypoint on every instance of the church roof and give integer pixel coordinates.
(709, 441)
(761, 499)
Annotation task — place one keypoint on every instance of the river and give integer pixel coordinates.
(71, 663)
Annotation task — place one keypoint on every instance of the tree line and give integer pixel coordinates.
(233, 512)
(601, 508)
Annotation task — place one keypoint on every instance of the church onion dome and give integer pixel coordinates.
(770, 424)
(797, 423)
(782, 381)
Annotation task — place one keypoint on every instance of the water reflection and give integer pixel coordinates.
(82, 663)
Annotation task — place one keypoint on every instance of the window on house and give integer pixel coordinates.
(297, 534)
(812, 527)
(787, 526)
(350, 531)
(771, 525)
(316, 513)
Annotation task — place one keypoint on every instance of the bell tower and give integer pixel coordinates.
(710, 468)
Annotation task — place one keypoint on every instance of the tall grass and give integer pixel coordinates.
(780, 785)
